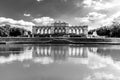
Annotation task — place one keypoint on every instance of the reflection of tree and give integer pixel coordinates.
(107, 51)
(6, 50)
(94, 49)
(103, 76)
(99, 50)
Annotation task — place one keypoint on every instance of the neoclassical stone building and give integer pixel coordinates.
(60, 29)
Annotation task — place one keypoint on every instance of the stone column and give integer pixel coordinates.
(40, 30)
(85, 30)
(76, 31)
(67, 30)
(47, 30)
(72, 30)
(82, 30)
(34, 31)
(79, 31)
(52, 30)
(44, 31)
(37, 30)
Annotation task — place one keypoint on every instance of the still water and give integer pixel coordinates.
(59, 62)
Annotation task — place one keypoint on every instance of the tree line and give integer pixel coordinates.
(108, 31)
(8, 31)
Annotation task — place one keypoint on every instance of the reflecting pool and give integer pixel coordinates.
(59, 62)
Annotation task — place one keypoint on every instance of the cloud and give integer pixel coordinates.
(17, 23)
(101, 4)
(98, 4)
(83, 20)
(44, 60)
(96, 20)
(108, 8)
(26, 55)
(39, 0)
(96, 61)
(65, 0)
(113, 18)
(27, 15)
(102, 76)
(93, 18)
(43, 21)
(96, 16)
(25, 24)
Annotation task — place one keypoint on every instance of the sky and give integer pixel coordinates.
(26, 13)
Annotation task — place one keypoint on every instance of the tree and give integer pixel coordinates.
(108, 31)
(103, 31)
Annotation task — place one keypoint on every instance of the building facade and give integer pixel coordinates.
(60, 29)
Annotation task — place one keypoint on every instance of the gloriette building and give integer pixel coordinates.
(60, 29)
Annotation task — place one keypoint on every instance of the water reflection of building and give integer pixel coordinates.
(47, 51)
(60, 52)
(42, 53)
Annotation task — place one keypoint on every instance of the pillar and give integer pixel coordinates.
(52, 30)
(72, 30)
(34, 31)
(76, 31)
(47, 30)
(37, 30)
(40, 31)
(67, 30)
(43, 30)
(85, 30)
(82, 30)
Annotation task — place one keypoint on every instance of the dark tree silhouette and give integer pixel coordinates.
(15, 32)
(6, 31)
(108, 31)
